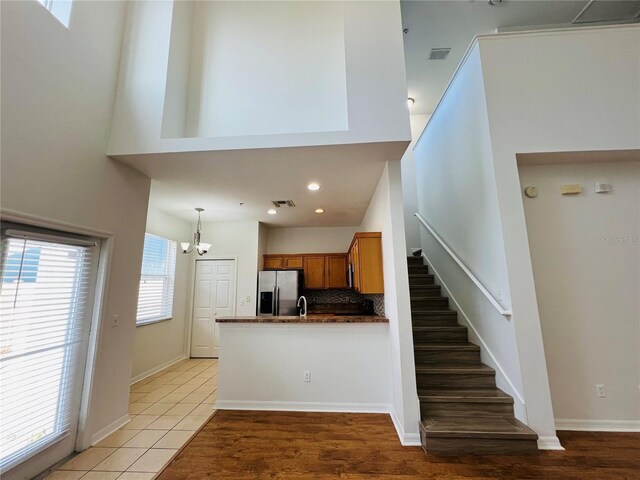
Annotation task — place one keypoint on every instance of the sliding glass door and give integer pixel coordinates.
(47, 284)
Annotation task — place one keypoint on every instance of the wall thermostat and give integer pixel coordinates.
(531, 192)
(602, 187)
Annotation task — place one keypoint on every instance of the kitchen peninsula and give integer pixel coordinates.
(334, 363)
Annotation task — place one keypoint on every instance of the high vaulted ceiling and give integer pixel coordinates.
(453, 24)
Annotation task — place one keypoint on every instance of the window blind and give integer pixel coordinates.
(155, 297)
(45, 302)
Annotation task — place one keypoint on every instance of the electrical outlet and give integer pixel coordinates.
(601, 391)
(307, 376)
(114, 320)
(247, 299)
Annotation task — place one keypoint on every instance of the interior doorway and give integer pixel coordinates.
(214, 296)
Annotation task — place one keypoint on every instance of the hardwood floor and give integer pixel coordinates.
(243, 445)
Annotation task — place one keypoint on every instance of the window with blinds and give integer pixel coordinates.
(155, 298)
(46, 288)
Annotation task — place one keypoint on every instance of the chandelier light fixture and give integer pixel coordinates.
(198, 246)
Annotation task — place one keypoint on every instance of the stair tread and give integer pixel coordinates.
(447, 346)
(439, 328)
(456, 370)
(494, 395)
(477, 427)
(442, 311)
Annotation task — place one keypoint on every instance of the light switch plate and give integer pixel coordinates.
(571, 189)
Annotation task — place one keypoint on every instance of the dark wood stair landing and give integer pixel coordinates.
(462, 411)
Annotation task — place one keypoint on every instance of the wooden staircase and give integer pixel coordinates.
(462, 410)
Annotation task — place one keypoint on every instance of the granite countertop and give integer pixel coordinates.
(311, 318)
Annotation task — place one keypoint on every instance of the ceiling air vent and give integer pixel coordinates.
(609, 11)
(439, 53)
(283, 203)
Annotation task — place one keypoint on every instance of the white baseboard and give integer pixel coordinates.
(156, 369)
(549, 443)
(109, 429)
(406, 439)
(302, 406)
(598, 425)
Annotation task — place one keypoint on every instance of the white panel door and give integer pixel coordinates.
(214, 297)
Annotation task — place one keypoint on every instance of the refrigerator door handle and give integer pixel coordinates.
(277, 300)
(274, 303)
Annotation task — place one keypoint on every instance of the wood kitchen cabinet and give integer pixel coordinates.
(273, 262)
(315, 271)
(365, 255)
(336, 271)
(321, 270)
(294, 262)
(282, 262)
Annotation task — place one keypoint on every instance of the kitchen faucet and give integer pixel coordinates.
(305, 306)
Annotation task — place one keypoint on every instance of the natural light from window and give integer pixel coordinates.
(155, 299)
(44, 295)
(61, 9)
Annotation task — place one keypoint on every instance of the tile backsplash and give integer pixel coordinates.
(345, 296)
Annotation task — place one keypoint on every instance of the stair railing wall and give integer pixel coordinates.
(504, 311)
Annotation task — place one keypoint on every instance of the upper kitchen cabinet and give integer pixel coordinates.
(315, 272)
(273, 262)
(336, 267)
(283, 262)
(365, 255)
(321, 270)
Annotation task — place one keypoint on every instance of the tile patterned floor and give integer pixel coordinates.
(166, 410)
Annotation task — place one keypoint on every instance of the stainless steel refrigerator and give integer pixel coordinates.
(278, 292)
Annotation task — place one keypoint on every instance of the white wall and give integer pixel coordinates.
(237, 240)
(385, 214)
(159, 344)
(456, 195)
(376, 93)
(586, 263)
(409, 186)
(295, 49)
(262, 367)
(57, 95)
(586, 97)
(310, 239)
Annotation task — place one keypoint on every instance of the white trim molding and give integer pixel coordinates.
(549, 443)
(156, 369)
(598, 425)
(302, 406)
(109, 429)
(406, 439)
(505, 312)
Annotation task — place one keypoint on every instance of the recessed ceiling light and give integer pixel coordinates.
(272, 211)
(319, 210)
(410, 102)
(313, 186)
